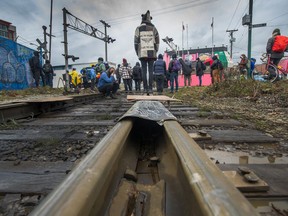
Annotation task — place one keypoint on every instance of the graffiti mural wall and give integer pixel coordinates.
(15, 71)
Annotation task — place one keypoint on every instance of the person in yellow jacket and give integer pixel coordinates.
(76, 78)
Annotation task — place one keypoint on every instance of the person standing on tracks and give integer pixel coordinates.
(137, 76)
(126, 73)
(49, 72)
(36, 69)
(107, 84)
(174, 68)
(187, 70)
(159, 73)
(146, 44)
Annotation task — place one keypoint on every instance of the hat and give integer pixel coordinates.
(100, 59)
(146, 17)
(277, 30)
(124, 60)
(160, 56)
(174, 56)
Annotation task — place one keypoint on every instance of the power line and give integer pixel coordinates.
(234, 14)
(277, 17)
(157, 12)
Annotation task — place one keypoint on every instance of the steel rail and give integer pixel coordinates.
(90, 186)
(212, 191)
(83, 191)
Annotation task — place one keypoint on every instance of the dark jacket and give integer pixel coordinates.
(200, 68)
(186, 66)
(34, 63)
(137, 72)
(159, 67)
(215, 64)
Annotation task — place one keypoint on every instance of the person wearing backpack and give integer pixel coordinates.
(216, 67)
(174, 68)
(276, 45)
(187, 70)
(99, 68)
(48, 71)
(137, 76)
(200, 68)
(36, 69)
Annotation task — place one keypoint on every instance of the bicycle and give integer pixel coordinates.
(271, 73)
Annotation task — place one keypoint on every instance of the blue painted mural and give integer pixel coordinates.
(15, 71)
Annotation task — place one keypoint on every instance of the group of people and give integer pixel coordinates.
(44, 72)
(99, 75)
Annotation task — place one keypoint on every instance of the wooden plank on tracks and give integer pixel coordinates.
(31, 134)
(275, 175)
(48, 99)
(211, 122)
(150, 98)
(32, 177)
(247, 136)
(239, 181)
(70, 122)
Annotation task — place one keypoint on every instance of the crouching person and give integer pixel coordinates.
(107, 84)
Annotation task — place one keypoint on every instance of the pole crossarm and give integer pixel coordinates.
(79, 25)
(169, 42)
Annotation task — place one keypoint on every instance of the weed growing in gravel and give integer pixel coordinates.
(47, 143)
(9, 125)
(16, 94)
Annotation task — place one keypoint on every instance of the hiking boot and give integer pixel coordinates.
(113, 96)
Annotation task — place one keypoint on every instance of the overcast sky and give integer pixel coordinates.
(124, 16)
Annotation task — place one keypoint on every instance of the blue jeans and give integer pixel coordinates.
(109, 88)
(173, 76)
(144, 74)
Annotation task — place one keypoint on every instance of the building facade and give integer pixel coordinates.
(7, 30)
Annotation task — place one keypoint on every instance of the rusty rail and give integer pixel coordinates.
(203, 189)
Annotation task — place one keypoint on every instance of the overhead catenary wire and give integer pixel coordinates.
(233, 14)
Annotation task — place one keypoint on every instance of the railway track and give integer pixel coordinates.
(75, 152)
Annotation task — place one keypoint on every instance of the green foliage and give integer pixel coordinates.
(19, 94)
(235, 88)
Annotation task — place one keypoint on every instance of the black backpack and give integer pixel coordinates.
(220, 65)
(46, 68)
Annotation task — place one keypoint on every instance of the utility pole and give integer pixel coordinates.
(50, 45)
(106, 25)
(67, 85)
(232, 39)
(45, 42)
(250, 33)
